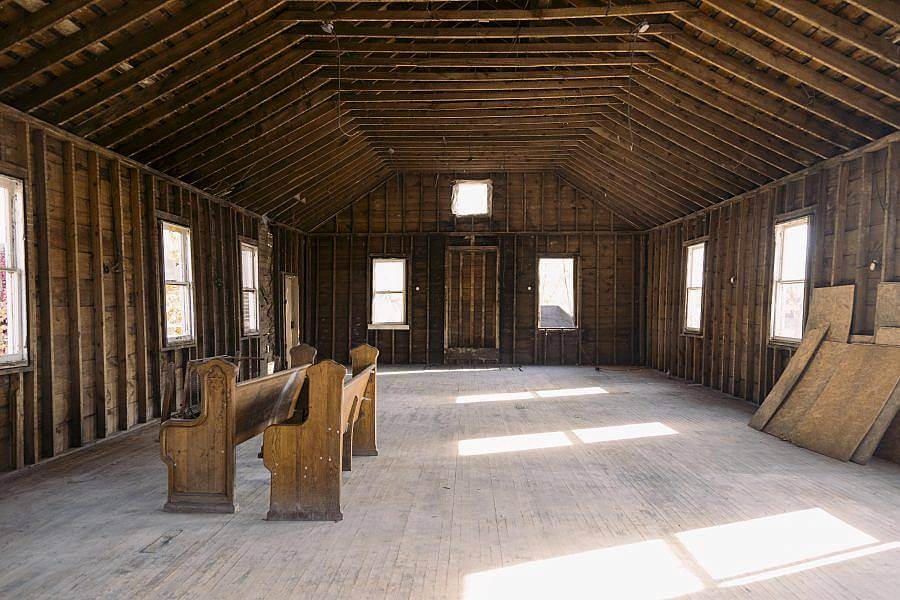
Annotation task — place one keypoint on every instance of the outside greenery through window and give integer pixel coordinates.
(179, 283)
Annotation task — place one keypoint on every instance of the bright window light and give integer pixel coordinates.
(756, 545)
(622, 432)
(13, 305)
(693, 293)
(556, 293)
(643, 571)
(388, 291)
(250, 288)
(506, 396)
(179, 283)
(513, 443)
(471, 198)
(789, 289)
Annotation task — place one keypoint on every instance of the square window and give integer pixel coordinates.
(471, 198)
(556, 293)
(789, 279)
(388, 291)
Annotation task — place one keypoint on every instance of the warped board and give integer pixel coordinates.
(805, 392)
(812, 339)
(832, 306)
(839, 419)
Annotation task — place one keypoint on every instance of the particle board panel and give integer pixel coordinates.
(887, 314)
(834, 426)
(832, 306)
(788, 380)
(879, 428)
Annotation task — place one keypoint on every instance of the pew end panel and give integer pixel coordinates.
(199, 453)
(365, 428)
(305, 457)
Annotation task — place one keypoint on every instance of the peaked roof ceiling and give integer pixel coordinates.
(293, 108)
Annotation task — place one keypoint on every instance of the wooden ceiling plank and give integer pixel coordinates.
(478, 62)
(108, 91)
(776, 30)
(483, 15)
(483, 48)
(350, 75)
(94, 32)
(38, 21)
(591, 193)
(842, 28)
(887, 10)
(784, 64)
(477, 33)
(369, 182)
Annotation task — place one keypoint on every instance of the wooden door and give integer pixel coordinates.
(291, 315)
(472, 306)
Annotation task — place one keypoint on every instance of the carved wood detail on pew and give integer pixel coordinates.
(306, 457)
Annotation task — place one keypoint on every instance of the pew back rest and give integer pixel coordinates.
(266, 400)
(353, 393)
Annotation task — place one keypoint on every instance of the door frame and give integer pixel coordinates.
(486, 354)
(295, 307)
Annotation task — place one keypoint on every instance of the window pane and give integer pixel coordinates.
(470, 198)
(388, 308)
(556, 292)
(788, 313)
(248, 266)
(793, 253)
(388, 275)
(8, 292)
(173, 251)
(178, 311)
(250, 310)
(695, 266)
(694, 310)
(6, 241)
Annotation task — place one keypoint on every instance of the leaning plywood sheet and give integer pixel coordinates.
(838, 421)
(879, 428)
(887, 314)
(805, 392)
(832, 306)
(890, 443)
(792, 374)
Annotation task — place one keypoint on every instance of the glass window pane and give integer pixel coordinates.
(388, 308)
(6, 241)
(556, 292)
(388, 275)
(178, 311)
(471, 198)
(7, 319)
(250, 310)
(173, 253)
(694, 309)
(788, 313)
(793, 253)
(248, 266)
(695, 278)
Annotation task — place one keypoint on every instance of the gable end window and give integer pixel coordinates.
(471, 198)
(13, 306)
(178, 284)
(249, 288)
(695, 257)
(789, 280)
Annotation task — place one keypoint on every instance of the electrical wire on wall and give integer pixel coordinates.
(641, 27)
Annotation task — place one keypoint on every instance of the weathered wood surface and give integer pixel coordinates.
(421, 521)
(306, 457)
(200, 452)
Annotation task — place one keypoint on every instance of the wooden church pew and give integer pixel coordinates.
(306, 456)
(199, 452)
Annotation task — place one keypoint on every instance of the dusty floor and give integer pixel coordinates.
(549, 482)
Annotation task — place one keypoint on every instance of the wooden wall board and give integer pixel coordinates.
(788, 380)
(834, 426)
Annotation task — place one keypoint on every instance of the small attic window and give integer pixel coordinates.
(471, 198)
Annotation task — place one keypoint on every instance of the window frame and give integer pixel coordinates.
(405, 291)
(781, 222)
(576, 289)
(254, 246)
(688, 245)
(186, 340)
(490, 197)
(19, 235)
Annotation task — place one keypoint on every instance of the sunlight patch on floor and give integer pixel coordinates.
(553, 393)
(513, 443)
(643, 571)
(622, 432)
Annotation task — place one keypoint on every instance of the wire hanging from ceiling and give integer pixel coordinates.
(328, 27)
(641, 27)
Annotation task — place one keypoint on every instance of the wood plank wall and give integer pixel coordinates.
(535, 212)
(92, 258)
(854, 202)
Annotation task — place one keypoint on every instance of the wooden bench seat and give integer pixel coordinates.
(200, 452)
(306, 455)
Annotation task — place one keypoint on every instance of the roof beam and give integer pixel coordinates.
(38, 21)
(887, 10)
(481, 61)
(477, 33)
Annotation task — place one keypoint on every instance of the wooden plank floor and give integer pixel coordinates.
(434, 516)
